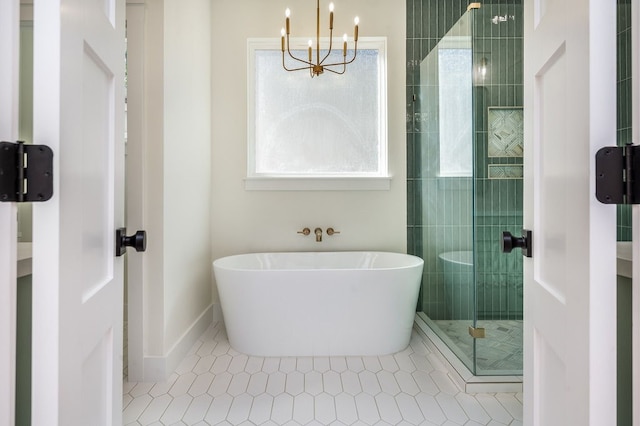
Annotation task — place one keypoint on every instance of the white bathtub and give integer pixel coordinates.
(318, 304)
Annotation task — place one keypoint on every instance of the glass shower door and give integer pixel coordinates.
(498, 90)
(444, 147)
(467, 152)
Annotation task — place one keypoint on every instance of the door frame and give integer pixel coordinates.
(9, 94)
(135, 166)
(635, 298)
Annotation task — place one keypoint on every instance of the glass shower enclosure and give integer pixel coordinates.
(465, 158)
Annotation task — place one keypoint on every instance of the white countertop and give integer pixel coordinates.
(24, 259)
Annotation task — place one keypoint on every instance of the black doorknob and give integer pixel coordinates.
(509, 242)
(138, 241)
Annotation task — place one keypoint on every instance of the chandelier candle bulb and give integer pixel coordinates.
(344, 46)
(331, 16)
(356, 21)
(287, 13)
(282, 33)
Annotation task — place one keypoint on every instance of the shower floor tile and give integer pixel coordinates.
(407, 388)
(498, 353)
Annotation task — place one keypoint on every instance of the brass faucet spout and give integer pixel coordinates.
(318, 232)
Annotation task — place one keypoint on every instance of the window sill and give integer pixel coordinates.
(324, 183)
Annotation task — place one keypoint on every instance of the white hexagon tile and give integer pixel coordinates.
(215, 385)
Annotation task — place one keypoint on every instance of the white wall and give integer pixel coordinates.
(187, 166)
(177, 193)
(255, 221)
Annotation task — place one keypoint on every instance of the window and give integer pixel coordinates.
(454, 70)
(327, 132)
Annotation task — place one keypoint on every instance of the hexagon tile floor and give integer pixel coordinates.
(215, 385)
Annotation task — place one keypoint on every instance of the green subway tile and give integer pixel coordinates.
(519, 19)
(411, 200)
(429, 24)
(410, 19)
(413, 159)
(513, 24)
(441, 19)
(445, 207)
(427, 147)
(412, 75)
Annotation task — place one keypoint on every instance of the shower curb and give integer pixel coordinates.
(459, 372)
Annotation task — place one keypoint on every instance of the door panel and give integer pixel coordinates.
(570, 305)
(96, 164)
(77, 280)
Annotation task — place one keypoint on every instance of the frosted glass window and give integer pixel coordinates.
(330, 125)
(455, 113)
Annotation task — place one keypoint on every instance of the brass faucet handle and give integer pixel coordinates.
(305, 231)
(331, 231)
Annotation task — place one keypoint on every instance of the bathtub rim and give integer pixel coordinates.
(449, 257)
(219, 262)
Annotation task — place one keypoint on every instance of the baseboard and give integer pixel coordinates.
(159, 368)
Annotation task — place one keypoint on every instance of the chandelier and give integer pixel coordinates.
(319, 66)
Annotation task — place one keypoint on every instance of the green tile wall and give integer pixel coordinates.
(444, 214)
(498, 202)
(439, 210)
(624, 102)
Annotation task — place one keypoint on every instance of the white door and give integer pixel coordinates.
(77, 280)
(570, 283)
(9, 45)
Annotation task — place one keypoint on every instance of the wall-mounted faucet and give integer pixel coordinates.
(318, 233)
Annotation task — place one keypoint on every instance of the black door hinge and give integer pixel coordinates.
(618, 174)
(26, 172)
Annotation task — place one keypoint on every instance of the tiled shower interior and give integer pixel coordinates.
(623, 77)
(455, 217)
(465, 174)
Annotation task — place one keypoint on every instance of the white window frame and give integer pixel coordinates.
(380, 180)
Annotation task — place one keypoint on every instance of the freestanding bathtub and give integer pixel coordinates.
(457, 267)
(318, 304)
